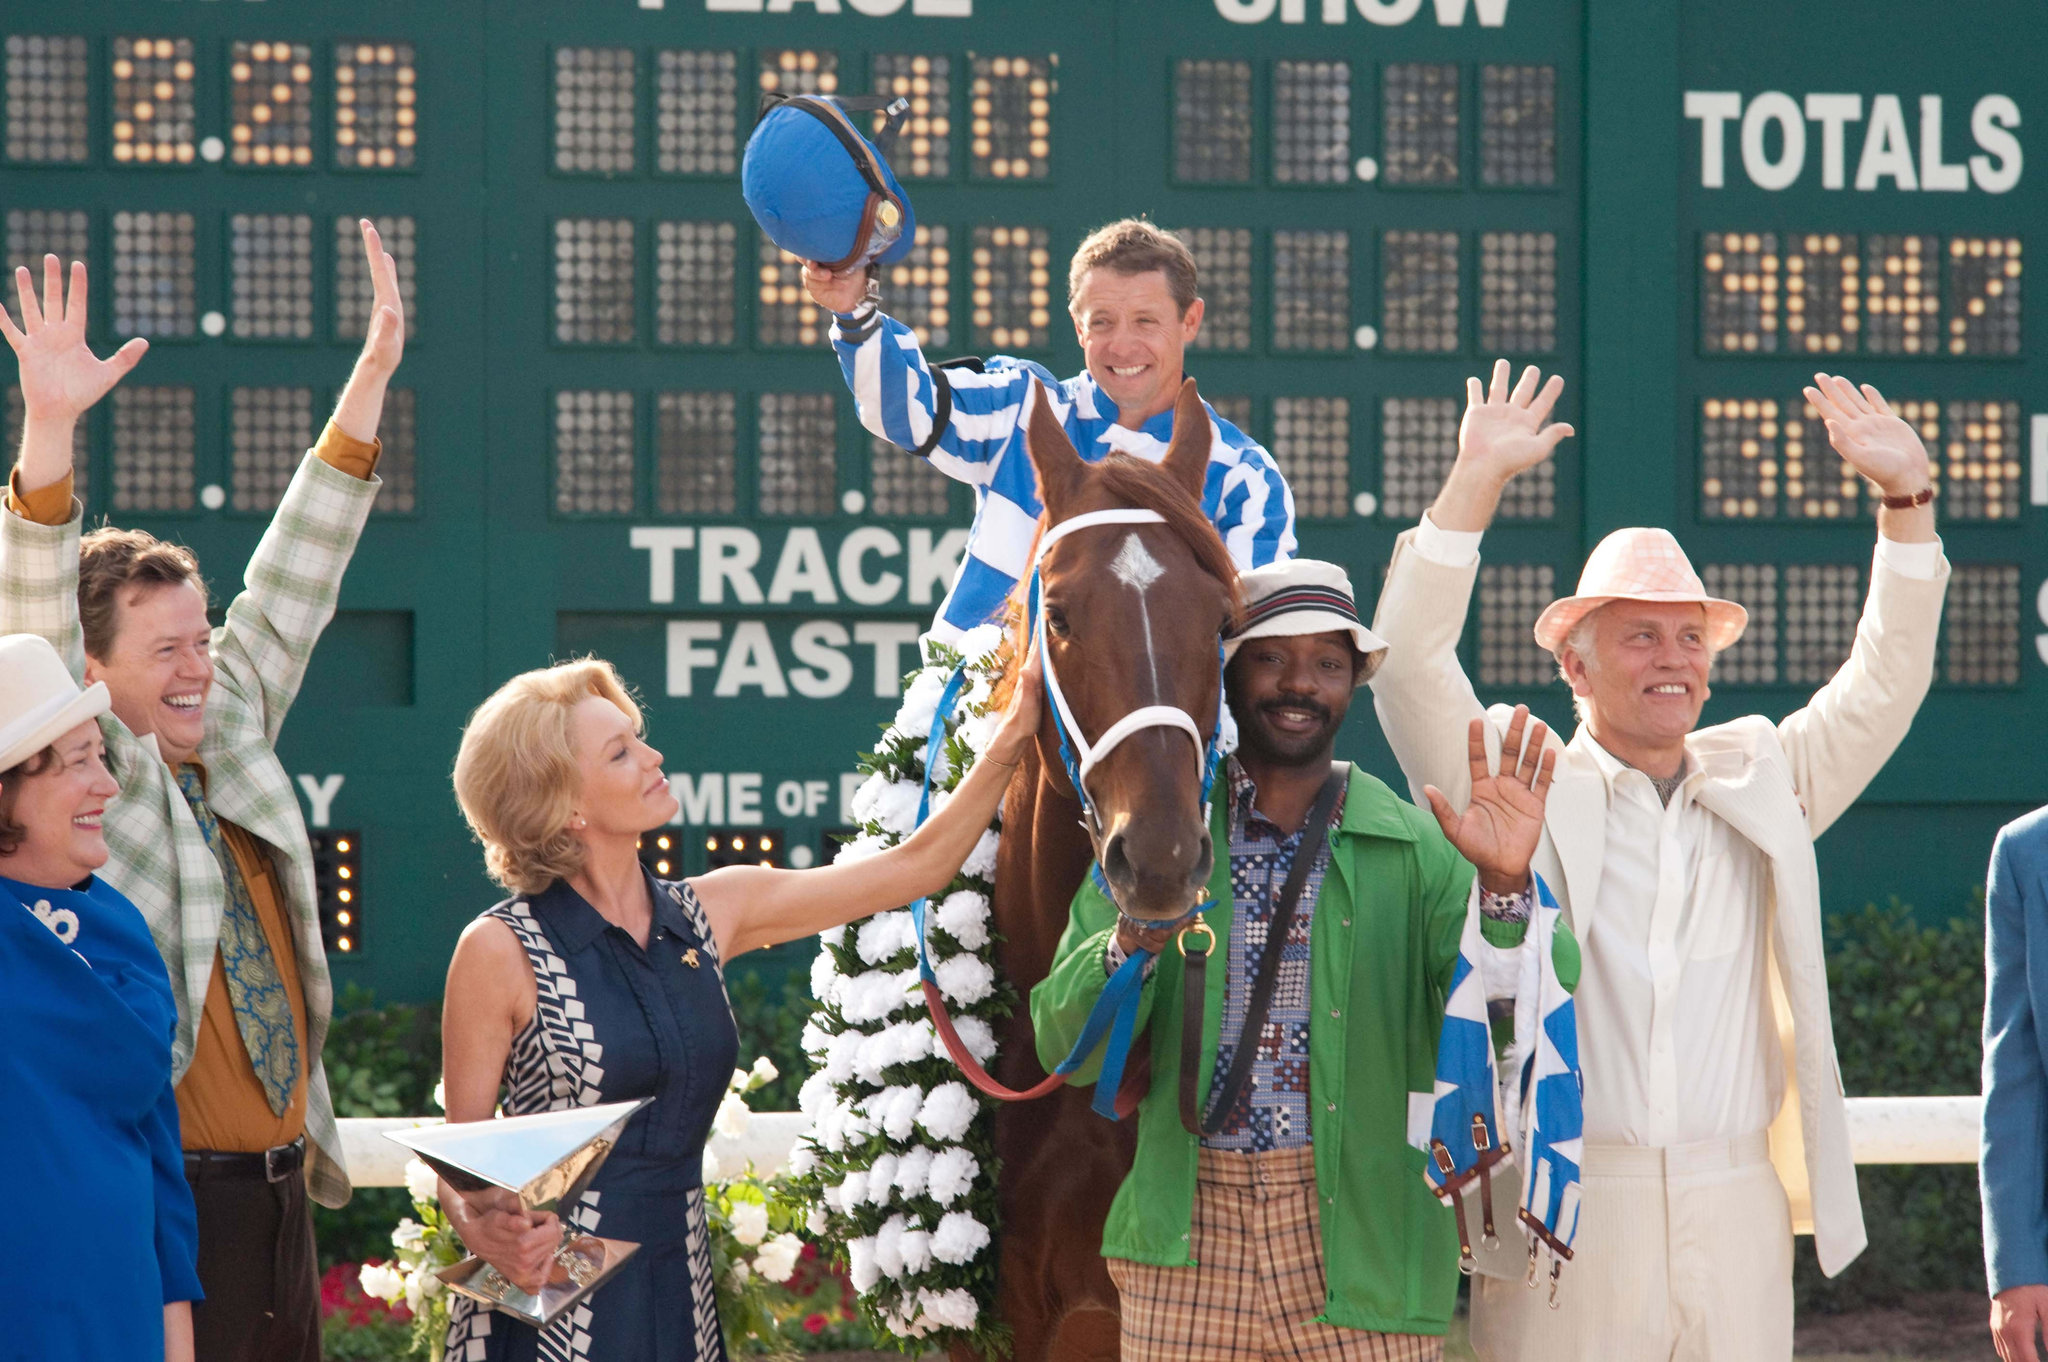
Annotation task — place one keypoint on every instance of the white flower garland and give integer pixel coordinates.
(899, 1162)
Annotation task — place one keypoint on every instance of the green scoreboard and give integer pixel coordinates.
(620, 428)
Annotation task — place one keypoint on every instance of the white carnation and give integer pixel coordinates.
(834, 936)
(815, 1038)
(916, 1248)
(889, 1247)
(947, 1113)
(977, 731)
(381, 1281)
(853, 1190)
(764, 1071)
(440, 1103)
(712, 1172)
(824, 974)
(431, 1285)
(920, 704)
(731, 1120)
(817, 1222)
(841, 1056)
(901, 1110)
(859, 849)
(814, 1094)
(951, 1175)
(958, 1238)
(895, 807)
(415, 1290)
(966, 979)
(411, 1234)
(863, 802)
(981, 862)
(954, 1309)
(803, 1159)
(881, 1179)
(912, 1170)
(884, 935)
(860, 1263)
(739, 1274)
(978, 1036)
(964, 917)
(422, 1182)
(978, 642)
(777, 1259)
(749, 1222)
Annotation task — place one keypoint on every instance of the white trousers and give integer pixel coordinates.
(1684, 1254)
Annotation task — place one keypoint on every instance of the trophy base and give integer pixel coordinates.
(581, 1266)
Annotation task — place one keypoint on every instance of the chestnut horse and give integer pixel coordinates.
(1133, 614)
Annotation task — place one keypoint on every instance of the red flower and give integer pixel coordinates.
(815, 1323)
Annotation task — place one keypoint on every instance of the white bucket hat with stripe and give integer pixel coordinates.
(1304, 596)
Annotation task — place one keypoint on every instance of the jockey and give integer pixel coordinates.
(1280, 1210)
(1131, 293)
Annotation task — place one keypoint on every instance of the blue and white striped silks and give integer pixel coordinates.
(1541, 1090)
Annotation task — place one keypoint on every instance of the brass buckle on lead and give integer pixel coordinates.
(1198, 925)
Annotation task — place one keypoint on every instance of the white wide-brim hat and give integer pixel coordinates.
(1639, 565)
(39, 702)
(1304, 596)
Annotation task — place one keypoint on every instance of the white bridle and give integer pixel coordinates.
(1147, 716)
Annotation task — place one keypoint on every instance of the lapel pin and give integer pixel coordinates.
(690, 957)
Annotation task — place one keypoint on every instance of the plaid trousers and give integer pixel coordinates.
(1258, 1283)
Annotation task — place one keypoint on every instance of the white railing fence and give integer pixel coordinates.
(1881, 1130)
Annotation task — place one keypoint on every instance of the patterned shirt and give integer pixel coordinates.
(1272, 1112)
(899, 396)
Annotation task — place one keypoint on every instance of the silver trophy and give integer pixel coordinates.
(546, 1160)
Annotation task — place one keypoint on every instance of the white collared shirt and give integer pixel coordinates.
(1676, 1033)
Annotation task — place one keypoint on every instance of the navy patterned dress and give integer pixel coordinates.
(615, 1022)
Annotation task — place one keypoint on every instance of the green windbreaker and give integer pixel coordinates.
(1383, 944)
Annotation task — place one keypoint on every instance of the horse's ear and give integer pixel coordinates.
(1187, 454)
(1060, 468)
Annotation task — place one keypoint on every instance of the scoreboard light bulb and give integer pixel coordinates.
(711, 844)
(739, 844)
(344, 872)
(344, 917)
(346, 896)
(344, 943)
(661, 867)
(341, 845)
(662, 843)
(767, 844)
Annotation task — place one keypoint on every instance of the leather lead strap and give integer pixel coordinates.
(1194, 989)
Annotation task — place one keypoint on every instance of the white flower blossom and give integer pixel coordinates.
(431, 1285)
(966, 979)
(803, 1159)
(980, 729)
(958, 1238)
(916, 1248)
(889, 1247)
(764, 1071)
(859, 849)
(920, 704)
(382, 1281)
(862, 805)
(853, 1190)
(422, 1182)
(963, 915)
(953, 1309)
(885, 935)
(912, 1170)
(981, 862)
(817, 1222)
(860, 1264)
(947, 1113)
(415, 1290)
(739, 1274)
(813, 1096)
(409, 1234)
(738, 1081)
(895, 807)
(900, 1109)
(978, 1036)
(441, 1100)
(815, 1039)
(881, 1179)
(777, 1259)
(977, 643)
(731, 1120)
(833, 936)
(824, 974)
(749, 1222)
(951, 1175)
(1226, 733)
(840, 1056)
(712, 1171)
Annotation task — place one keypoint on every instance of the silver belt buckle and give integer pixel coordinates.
(274, 1156)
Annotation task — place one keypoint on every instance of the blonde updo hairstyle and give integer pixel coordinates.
(516, 776)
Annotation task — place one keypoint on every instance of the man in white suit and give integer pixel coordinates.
(1683, 858)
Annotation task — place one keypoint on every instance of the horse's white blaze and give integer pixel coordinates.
(1137, 569)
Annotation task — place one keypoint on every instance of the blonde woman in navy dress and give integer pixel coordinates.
(103, 1243)
(596, 982)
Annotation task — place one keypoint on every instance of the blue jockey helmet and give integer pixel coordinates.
(822, 191)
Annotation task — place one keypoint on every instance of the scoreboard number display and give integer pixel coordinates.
(620, 428)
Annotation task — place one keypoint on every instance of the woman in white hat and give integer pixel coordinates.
(96, 1180)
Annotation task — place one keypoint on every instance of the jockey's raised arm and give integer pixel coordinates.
(1133, 302)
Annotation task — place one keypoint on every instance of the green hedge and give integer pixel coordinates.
(381, 1061)
(1908, 1005)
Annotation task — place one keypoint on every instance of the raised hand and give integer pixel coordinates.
(61, 378)
(1506, 432)
(835, 292)
(384, 346)
(1869, 436)
(1500, 827)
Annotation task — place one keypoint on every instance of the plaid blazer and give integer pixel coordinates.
(160, 860)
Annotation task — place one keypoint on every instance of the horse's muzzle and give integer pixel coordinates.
(1154, 873)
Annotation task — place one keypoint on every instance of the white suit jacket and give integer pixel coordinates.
(1779, 785)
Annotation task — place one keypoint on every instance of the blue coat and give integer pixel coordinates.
(103, 1232)
(2013, 1164)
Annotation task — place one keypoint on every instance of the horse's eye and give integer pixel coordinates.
(1056, 621)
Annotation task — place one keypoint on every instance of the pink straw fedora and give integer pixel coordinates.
(1639, 565)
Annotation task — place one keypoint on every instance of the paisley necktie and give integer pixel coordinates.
(263, 1011)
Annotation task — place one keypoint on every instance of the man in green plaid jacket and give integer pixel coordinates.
(206, 834)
